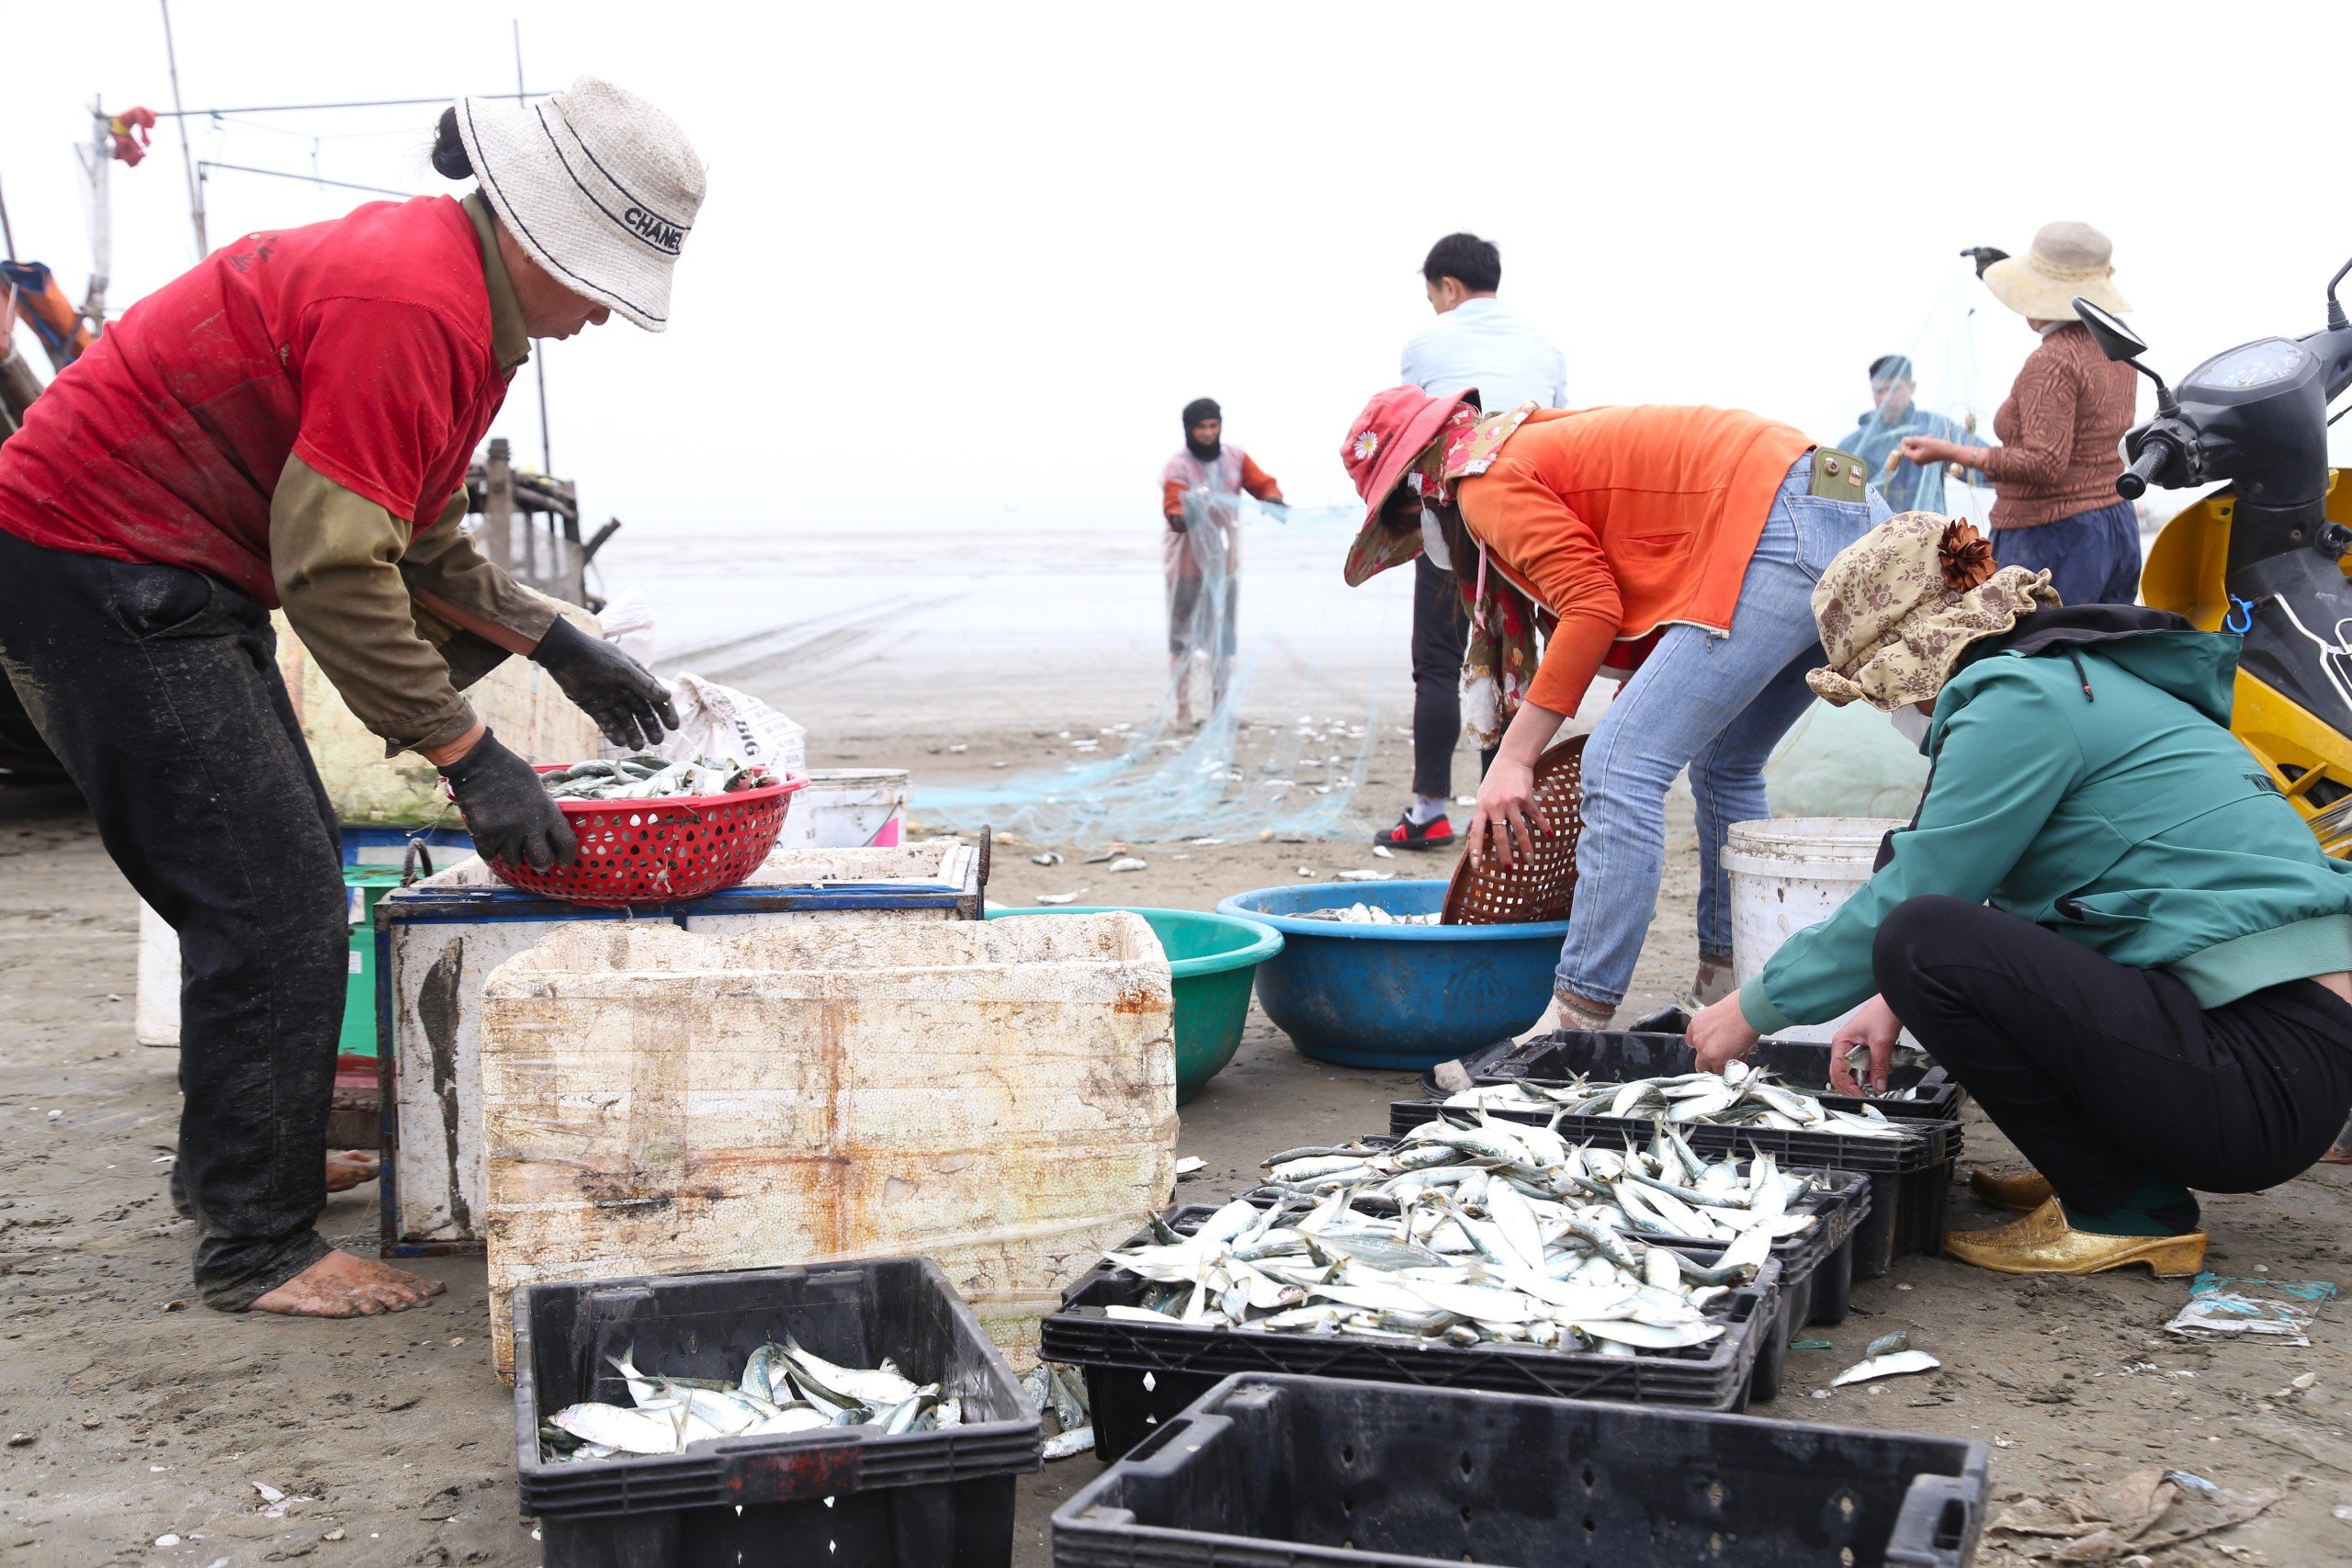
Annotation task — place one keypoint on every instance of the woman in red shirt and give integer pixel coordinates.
(290, 423)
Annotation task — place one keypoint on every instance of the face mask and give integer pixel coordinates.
(1910, 724)
(1433, 542)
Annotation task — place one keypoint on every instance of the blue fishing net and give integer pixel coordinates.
(1252, 734)
(1949, 374)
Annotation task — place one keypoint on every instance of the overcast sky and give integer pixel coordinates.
(961, 258)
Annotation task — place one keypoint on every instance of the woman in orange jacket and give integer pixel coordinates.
(1676, 548)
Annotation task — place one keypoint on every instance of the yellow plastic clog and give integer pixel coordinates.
(2043, 1243)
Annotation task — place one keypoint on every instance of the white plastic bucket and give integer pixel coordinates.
(848, 808)
(1788, 873)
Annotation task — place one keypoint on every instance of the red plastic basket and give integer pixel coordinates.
(658, 852)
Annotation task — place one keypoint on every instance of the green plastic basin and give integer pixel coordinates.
(1213, 959)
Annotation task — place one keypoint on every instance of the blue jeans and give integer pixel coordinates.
(1717, 706)
(2093, 558)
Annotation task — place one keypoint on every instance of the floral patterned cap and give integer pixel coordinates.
(1405, 434)
(1900, 604)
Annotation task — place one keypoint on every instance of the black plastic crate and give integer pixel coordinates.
(840, 1496)
(1140, 1374)
(1910, 1177)
(1816, 1270)
(1817, 1265)
(1274, 1471)
(1616, 1056)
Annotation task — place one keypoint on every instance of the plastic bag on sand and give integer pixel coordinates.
(2280, 1310)
(720, 721)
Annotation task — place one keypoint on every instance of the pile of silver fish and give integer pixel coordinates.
(653, 778)
(1667, 1192)
(1461, 1236)
(784, 1388)
(1741, 1097)
(1369, 914)
(1060, 1390)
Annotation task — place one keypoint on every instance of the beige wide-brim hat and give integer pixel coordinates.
(2066, 260)
(598, 186)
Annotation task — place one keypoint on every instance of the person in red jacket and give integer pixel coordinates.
(289, 423)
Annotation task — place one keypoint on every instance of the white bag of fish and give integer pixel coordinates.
(649, 777)
(1741, 1097)
(1498, 1233)
(783, 1389)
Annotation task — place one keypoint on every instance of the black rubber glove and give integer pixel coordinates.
(507, 809)
(623, 696)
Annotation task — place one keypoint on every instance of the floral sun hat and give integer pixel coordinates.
(1899, 605)
(1405, 435)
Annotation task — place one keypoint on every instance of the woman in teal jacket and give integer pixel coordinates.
(2104, 921)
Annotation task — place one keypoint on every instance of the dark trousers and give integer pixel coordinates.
(1440, 633)
(2106, 1076)
(158, 688)
(2093, 558)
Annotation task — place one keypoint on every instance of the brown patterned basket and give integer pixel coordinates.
(1538, 887)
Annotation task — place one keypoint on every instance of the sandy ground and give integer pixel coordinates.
(137, 1417)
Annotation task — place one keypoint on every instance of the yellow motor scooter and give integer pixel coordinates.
(2265, 555)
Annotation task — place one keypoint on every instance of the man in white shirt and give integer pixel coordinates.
(1476, 341)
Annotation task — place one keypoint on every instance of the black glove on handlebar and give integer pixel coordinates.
(507, 809)
(623, 696)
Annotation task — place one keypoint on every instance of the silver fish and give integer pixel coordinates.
(1069, 1443)
(1890, 1366)
(624, 1431)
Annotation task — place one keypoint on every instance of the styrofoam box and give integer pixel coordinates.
(999, 1096)
(439, 939)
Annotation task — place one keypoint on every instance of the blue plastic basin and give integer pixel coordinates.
(1404, 998)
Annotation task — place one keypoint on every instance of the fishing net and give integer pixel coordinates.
(1946, 377)
(1258, 730)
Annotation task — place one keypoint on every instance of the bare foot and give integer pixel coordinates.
(347, 1168)
(340, 1285)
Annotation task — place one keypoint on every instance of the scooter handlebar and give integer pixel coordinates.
(2155, 453)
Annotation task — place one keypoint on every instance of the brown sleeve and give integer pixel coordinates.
(443, 562)
(1171, 501)
(1257, 482)
(335, 557)
(2045, 392)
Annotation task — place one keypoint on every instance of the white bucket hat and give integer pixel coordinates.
(596, 184)
(2067, 259)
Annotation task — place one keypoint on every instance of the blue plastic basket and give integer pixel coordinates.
(1404, 998)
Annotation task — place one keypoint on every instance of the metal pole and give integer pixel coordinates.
(540, 360)
(187, 158)
(97, 159)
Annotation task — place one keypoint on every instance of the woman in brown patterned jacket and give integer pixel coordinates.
(2054, 475)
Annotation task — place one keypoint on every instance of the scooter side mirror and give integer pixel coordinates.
(2107, 328)
(2120, 343)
